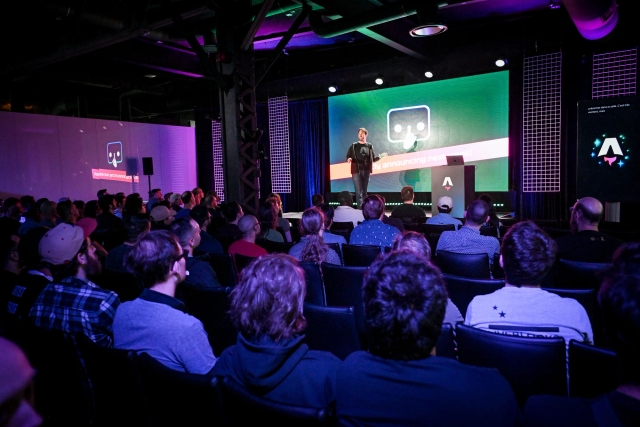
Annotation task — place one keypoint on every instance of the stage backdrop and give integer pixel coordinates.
(418, 125)
(50, 156)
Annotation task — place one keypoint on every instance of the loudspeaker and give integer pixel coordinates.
(147, 165)
(132, 166)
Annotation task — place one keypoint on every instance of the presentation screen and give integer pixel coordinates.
(419, 125)
(54, 157)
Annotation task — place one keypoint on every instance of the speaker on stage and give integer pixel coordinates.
(132, 166)
(147, 165)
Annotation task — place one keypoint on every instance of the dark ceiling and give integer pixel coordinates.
(89, 59)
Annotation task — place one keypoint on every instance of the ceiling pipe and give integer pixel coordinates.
(594, 19)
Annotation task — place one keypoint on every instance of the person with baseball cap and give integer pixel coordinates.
(161, 217)
(445, 206)
(72, 303)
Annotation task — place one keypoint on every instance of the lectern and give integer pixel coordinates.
(457, 182)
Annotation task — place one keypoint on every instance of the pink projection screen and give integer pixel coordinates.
(54, 157)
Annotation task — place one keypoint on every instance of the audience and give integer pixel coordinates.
(268, 217)
(208, 244)
(156, 322)
(270, 357)
(445, 206)
(232, 212)
(373, 231)
(134, 226)
(407, 209)
(345, 212)
(198, 195)
(176, 201)
(68, 212)
(155, 196)
(189, 201)
(494, 221)
(249, 227)
(200, 272)
(281, 222)
(10, 222)
(328, 236)
(400, 382)
(110, 231)
(311, 246)
(317, 200)
(161, 217)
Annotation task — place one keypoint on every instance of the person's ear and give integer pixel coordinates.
(465, 214)
(82, 258)
(488, 218)
(501, 262)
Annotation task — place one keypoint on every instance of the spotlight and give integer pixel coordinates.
(379, 80)
(333, 88)
(428, 19)
(428, 74)
(501, 62)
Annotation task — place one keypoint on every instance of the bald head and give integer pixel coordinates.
(247, 223)
(15, 377)
(587, 213)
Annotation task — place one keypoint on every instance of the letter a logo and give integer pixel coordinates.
(615, 146)
(447, 183)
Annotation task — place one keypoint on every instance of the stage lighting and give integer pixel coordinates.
(428, 74)
(379, 80)
(333, 88)
(501, 62)
(430, 24)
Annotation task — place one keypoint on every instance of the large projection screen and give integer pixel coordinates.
(54, 157)
(419, 125)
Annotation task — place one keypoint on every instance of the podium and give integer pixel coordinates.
(457, 182)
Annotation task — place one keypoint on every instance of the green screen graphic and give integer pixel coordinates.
(418, 125)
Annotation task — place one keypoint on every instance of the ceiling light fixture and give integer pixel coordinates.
(150, 76)
(501, 62)
(379, 80)
(430, 24)
(428, 74)
(333, 88)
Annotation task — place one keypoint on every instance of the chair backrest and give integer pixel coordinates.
(343, 287)
(336, 247)
(467, 265)
(592, 371)
(446, 345)
(359, 255)
(225, 269)
(578, 274)
(315, 286)
(123, 284)
(275, 247)
(489, 230)
(427, 229)
(586, 298)
(343, 229)
(331, 329)
(463, 289)
(242, 261)
(432, 239)
(178, 398)
(531, 365)
(226, 241)
(241, 407)
(211, 307)
(115, 383)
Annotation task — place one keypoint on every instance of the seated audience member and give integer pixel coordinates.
(133, 205)
(407, 209)
(328, 236)
(494, 221)
(200, 273)
(416, 242)
(208, 244)
(101, 193)
(250, 227)
(188, 201)
(317, 200)
(281, 222)
(311, 246)
(527, 256)
(49, 214)
(16, 388)
(134, 226)
(161, 217)
(156, 322)
(276, 196)
(619, 300)
(68, 212)
(155, 196)
(217, 220)
(10, 269)
(198, 195)
(400, 382)
(80, 206)
(345, 212)
(270, 356)
(176, 201)
(89, 225)
(586, 243)
(32, 218)
(92, 209)
(268, 217)
(10, 222)
(72, 303)
(110, 230)
(120, 199)
(373, 231)
(468, 240)
(445, 206)
(232, 212)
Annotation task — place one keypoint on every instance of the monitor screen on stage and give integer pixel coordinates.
(419, 125)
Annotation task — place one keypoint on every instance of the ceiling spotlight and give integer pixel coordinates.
(333, 88)
(501, 62)
(430, 24)
(428, 74)
(150, 76)
(379, 80)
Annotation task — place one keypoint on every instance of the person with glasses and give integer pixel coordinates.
(156, 322)
(250, 227)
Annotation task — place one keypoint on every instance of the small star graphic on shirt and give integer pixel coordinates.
(502, 314)
(495, 307)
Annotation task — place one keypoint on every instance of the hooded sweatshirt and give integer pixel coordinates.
(285, 371)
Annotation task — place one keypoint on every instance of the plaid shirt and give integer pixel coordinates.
(468, 241)
(76, 306)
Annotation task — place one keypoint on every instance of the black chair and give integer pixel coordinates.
(226, 241)
(225, 269)
(343, 229)
(174, 398)
(115, 384)
(211, 306)
(592, 370)
(474, 266)
(432, 239)
(243, 408)
(360, 255)
(556, 232)
(331, 329)
(427, 229)
(315, 286)
(489, 230)
(446, 345)
(531, 365)
(463, 289)
(274, 247)
(123, 284)
(241, 262)
(343, 287)
(336, 247)
(578, 274)
(586, 298)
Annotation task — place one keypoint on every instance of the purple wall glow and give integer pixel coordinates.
(50, 156)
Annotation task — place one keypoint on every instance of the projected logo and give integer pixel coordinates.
(447, 184)
(610, 151)
(114, 153)
(408, 125)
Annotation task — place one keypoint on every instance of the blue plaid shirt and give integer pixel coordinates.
(468, 241)
(77, 307)
(373, 232)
